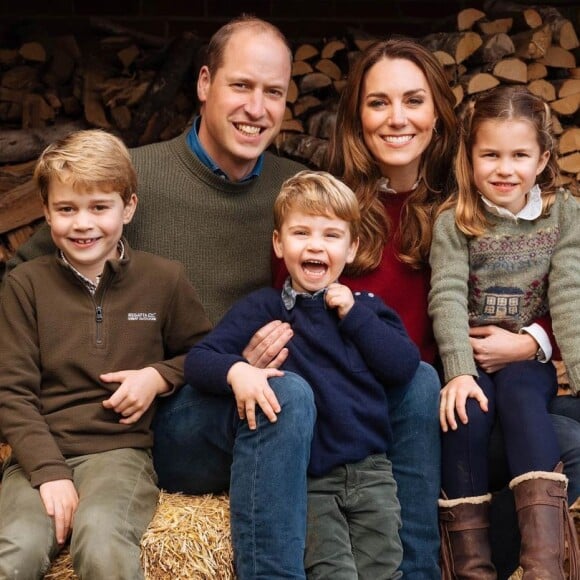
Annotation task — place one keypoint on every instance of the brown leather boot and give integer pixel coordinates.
(465, 549)
(546, 526)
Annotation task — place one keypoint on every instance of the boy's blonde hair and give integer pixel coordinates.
(87, 160)
(318, 193)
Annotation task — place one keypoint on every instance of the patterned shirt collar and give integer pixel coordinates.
(531, 211)
(87, 282)
(196, 146)
(384, 187)
(289, 295)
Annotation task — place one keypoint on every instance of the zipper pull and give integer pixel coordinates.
(99, 313)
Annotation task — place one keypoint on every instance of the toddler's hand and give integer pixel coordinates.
(340, 297)
(454, 396)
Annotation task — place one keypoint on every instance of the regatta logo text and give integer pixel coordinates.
(142, 316)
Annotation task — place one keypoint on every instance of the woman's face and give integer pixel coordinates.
(397, 115)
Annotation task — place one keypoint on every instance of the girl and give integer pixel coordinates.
(504, 252)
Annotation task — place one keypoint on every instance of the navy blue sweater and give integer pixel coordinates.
(349, 364)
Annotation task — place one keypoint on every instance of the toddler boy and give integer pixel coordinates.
(350, 349)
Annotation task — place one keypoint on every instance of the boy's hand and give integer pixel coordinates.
(340, 297)
(60, 499)
(250, 386)
(454, 396)
(267, 349)
(136, 392)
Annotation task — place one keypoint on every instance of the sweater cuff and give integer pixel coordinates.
(52, 473)
(459, 364)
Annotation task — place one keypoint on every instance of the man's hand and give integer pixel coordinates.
(250, 386)
(495, 347)
(340, 297)
(454, 396)
(136, 392)
(267, 349)
(60, 501)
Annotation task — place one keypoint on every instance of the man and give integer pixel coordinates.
(207, 200)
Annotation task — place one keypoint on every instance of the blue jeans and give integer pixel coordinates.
(416, 458)
(201, 446)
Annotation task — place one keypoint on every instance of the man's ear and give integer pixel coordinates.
(129, 209)
(203, 83)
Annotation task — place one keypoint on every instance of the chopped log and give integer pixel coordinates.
(313, 82)
(567, 106)
(532, 44)
(493, 48)
(17, 146)
(487, 27)
(544, 89)
(93, 107)
(574, 73)
(35, 112)
(121, 116)
(331, 48)
(288, 113)
(128, 55)
(292, 94)
(33, 51)
(570, 163)
(306, 52)
(21, 77)
(537, 70)
(567, 87)
(460, 45)
(509, 70)
(300, 68)
(329, 68)
(14, 175)
(306, 104)
(478, 82)
(468, 17)
(569, 141)
(444, 58)
(563, 31)
(558, 57)
(19, 206)
(557, 128)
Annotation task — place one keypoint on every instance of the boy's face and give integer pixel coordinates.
(87, 225)
(315, 249)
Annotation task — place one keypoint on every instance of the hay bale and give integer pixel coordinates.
(188, 539)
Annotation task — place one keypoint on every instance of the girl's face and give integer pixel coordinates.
(506, 161)
(397, 115)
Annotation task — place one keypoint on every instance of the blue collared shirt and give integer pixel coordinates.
(196, 146)
(289, 295)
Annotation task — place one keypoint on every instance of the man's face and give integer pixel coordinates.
(243, 101)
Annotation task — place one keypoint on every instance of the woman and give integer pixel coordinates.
(393, 144)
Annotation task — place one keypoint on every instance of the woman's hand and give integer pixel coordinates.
(454, 397)
(494, 347)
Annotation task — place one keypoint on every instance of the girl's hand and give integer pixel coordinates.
(454, 396)
(495, 347)
(340, 297)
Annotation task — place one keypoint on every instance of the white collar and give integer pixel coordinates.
(383, 186)
(531, 211)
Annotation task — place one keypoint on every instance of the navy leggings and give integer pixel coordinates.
(519, 395)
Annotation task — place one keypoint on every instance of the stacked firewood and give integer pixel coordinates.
(142, 87)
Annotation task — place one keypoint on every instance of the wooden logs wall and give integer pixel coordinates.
(142, 87)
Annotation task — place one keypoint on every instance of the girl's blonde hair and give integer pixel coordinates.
(350, 159)
(87, 160)
(505, 103)
(317, 193)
